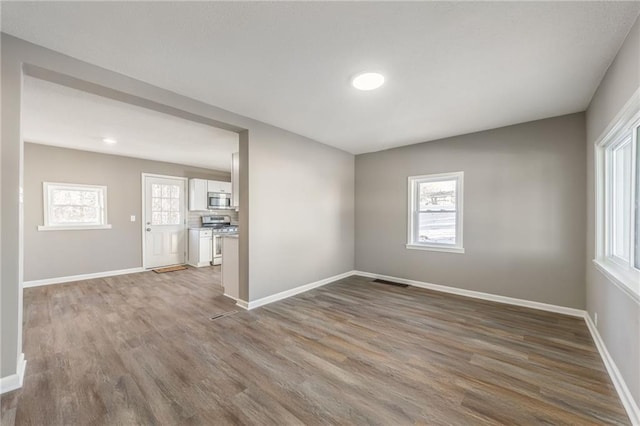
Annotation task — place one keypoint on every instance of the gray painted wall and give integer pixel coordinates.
(304, 232)
(524, 192)
(618, 314)
(311, 239)
(52, 254)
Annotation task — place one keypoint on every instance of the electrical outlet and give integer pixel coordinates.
(595, 318)
(133, 218)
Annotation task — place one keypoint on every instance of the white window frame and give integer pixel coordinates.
(412, 212)
(48, 187)
(625, 125)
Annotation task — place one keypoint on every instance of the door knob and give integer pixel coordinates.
(148, 229)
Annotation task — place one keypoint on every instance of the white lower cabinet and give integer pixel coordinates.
(200, 247)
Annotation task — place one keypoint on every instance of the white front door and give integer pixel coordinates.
(164, 220)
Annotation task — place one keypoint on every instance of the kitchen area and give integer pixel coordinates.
(213, 227)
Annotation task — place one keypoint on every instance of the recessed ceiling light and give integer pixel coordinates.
(109, 141)
(368, 81)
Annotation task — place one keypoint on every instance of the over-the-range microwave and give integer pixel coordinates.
(218, 200)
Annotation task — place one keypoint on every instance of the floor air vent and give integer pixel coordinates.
(222, 315)
(390, 283)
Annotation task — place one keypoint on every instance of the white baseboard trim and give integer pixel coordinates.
(239, 302)
(441, 288)
(242, 304)
(288, 293)
(633, 411)
(479, 295)
(14, 381)
(60, 280)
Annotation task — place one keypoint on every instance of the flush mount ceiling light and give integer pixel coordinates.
(367, 81)
(109, 141)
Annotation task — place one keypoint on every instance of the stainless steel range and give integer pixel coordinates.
(220, 225)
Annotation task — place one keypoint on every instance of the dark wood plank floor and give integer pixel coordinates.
(141, 349)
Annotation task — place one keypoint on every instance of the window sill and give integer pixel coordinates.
(73, 228)
(445, 249)
(628, 280)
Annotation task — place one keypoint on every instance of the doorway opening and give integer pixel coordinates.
(148, 163)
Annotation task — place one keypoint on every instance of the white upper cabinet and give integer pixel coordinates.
(198, 189)
(197, 194)
(218, 186)
(235, 179)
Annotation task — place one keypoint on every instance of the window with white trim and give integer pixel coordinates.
(617, 160)
(70, 206)
(435, 212)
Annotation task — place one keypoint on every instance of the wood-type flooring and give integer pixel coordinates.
(142, 349)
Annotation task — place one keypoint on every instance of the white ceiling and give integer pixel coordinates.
(61, 116)
(451, 67)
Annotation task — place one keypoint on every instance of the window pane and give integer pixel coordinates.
(175, 191)
(90, 214)
(438, 196)
(60, 197)
(165, 204)
(66, 214)
(69, 206)
(437, 227)
(74, 198)
(437, 212)
(90, 198)
(174, 218)
(75, 214)
(621, 202)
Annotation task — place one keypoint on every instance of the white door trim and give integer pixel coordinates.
(144, 213)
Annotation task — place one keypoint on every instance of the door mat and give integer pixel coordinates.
(169, 269)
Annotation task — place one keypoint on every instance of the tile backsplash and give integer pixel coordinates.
(193, 217)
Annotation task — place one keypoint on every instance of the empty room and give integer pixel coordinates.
(288, 213)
